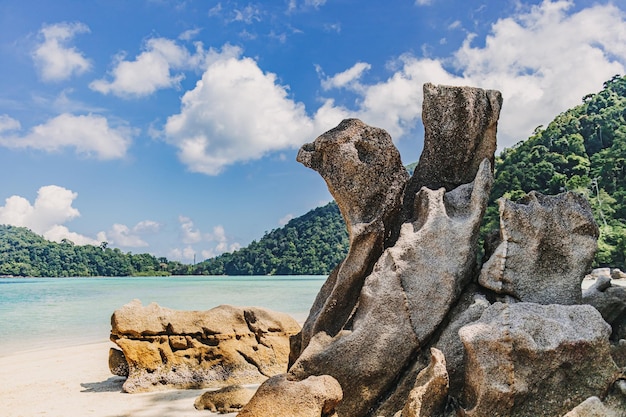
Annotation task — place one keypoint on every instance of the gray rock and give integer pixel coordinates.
(468, 310)
(429, 395)
(610, 301)
(225, 400)
(316, 396)
(117, 362)
(591, 407)
(460, 125)
(223, 346)
(547, 244)
(527, 359)
(366, 177)
(409, 293)
(618, 274)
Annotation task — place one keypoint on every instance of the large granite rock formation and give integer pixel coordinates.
(404, 325)
(315, 396)
(521, 354)
(226, 345)
(542, 256)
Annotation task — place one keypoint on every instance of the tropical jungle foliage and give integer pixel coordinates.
(581, 150)
(310, 244)
(24, 253)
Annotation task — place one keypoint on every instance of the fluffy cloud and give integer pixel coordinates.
(123, 236)
(90, 135)
(236, 112)
(348, 78)
(55, 59)
(52, 208)
(544, 60)
(193, 237)
(151, 70)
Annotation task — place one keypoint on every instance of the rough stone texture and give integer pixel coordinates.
(518, 353)
(591, 407)
(316, 396)
(618, 352)
(547, 244)
(413, 285)
(460, 125)
(610, 301)
(225, 400)
(428, 397)
(117, 362)
(618, 274)
(467, 311)
(223, 346)
(410, 283)
(365, 175)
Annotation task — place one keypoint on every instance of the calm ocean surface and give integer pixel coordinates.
(36, 313)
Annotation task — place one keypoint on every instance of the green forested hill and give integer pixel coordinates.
(24, 253)
(309, 244)
(582, 150)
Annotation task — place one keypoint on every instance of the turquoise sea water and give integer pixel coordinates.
(38, 313)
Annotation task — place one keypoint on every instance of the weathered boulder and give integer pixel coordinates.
(542, 256)
(315, 396)
(618, 274)
(229, 399)
(460, 125)
(610, 301)
(527, 359)
(117, 362)
(469, 309)
(223, 346)
(413, 285)
(591, 407)
(429, 395)
(365, 175)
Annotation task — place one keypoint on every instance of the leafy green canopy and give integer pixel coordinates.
(24, 253)
(581, 150)
(310, 244)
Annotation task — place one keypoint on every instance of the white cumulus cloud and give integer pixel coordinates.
(235, 113)
(124, 236)
(347, 78)
(543, 60)
(196, 241)
(90, 135)
(54, 57)
(47, 215)
(153, 69)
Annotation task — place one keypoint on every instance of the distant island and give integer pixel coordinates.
(583, 150)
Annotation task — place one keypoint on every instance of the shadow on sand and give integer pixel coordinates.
(113, 384)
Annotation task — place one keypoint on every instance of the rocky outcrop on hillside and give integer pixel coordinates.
(410, 324)
(163, 348)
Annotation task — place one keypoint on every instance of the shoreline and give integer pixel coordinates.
(75, 381)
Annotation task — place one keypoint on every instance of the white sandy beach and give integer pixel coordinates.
(76, 382)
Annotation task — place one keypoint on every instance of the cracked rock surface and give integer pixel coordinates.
(226, 345)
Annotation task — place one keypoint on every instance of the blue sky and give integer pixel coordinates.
(171, 127)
